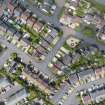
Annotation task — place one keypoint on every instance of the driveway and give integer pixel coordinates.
(90, 40)
(48, 19)
(72, 99)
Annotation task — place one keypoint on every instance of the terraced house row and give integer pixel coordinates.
(30, 34)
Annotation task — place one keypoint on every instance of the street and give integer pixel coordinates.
(71, 99)
(25, 57)
(43, 66)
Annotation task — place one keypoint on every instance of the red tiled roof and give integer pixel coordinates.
(86, 100)
(11, 7)
(25, 15)
(99, 70)
(30, 22)
(37, 26)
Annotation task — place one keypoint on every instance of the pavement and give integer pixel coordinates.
(4, 57)
(54, 19)
(101, 1)
(37, 83)
(25, 57)
(71, 99)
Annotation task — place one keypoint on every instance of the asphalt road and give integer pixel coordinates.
(4, 57)
(101, 1)
(25, 57)
(71, 99)
(54, 20)
(11, 91)
(90, 40)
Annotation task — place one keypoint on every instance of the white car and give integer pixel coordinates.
(60, 103)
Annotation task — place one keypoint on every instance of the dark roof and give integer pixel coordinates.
(67, 59)
(26, 41)
(35, 103)
(86, 73)
(73, 78)
(2, 103)
(54, 33)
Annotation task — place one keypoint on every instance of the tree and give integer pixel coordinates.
(14, 55)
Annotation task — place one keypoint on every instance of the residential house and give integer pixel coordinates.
(31, 21)
(11, 32)
(74, 80)
(14, 67)
(4, 27)
(67, 59)
(1, 10)
(37, 78)
(66, 19)
(85, 51)
(86, 99)
(49, 39)
(38, 26)
(18, 12)
(25, 16)
(48, 7)
(93, 49)
(88, 18)
(41, 50)
(45, 43)
(70, 21)
(72, 5)
(37, 102)
(17, 36)
(97, 19)
(75, 57)
(101, 33)
(86, 76)
(99, 73)
(103, 70)
(15, 98)
(11, 8)
(98, 95)
(2, 103)
(1, 31)
(53, 32)
(59, 65)
(25, 43)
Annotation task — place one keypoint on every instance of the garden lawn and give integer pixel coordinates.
(97, 5)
